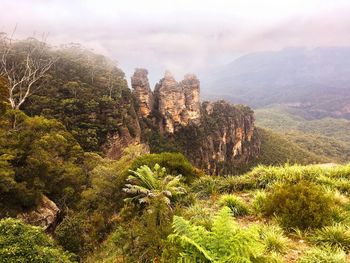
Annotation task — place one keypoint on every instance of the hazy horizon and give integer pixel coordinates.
(181, 36)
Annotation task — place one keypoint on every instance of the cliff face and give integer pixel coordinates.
(142, 91)
(230, 137)
(215, 136)
(177, 103)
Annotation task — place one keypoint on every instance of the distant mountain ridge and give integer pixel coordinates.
(315, 80)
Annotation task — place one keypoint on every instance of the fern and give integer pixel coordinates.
(145, 184)
(225, 242)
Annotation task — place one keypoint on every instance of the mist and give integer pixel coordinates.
(180, 36)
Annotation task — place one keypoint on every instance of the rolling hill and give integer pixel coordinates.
(317, 81)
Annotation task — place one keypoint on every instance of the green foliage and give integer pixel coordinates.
(206, 186)
(327, 137)
(277, 150)
(259, 201)
(20, 242)
(88, 94)
(237, 205)
(146, 184)
(225, 242)
(302, 204)
(175, 164)
(37, 156)
(143, 238)
(199, 215)
(274, 239)
(334, 177)
(323, 255)
(70, 233)
(336, 236)
(160, 143)
(104, 196)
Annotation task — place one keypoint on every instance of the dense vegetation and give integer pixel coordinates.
(85, 91)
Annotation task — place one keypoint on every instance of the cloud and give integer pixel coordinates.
(183, 36)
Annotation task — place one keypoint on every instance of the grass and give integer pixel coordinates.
(236, 204)
(336, 236)
(326, 137)
(323, 255)
(274, 239)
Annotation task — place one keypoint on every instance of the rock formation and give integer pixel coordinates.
(230, 137)
(177, 103)
(45, 215)
(142, 91)
(213, 136)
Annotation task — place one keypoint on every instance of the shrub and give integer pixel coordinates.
(232, 184)
(236, 204)
(323, 255)
(303, 205)
(70, 233)
(337, 236)
(199, 215)
(206, 186)
(175, 164)
(20, 242)
(274, 239)
(259, 201)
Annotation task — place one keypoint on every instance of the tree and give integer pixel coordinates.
(20, 242)
(23, 64)
(146, 184)
(38, 157)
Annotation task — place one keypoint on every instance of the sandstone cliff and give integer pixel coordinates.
(142, 91)
(178, 104)
(217, 137)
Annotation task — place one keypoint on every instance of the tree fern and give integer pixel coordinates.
(145, 184)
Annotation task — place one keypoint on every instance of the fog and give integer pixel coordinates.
(181, 36)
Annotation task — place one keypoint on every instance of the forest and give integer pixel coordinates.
(59, 109)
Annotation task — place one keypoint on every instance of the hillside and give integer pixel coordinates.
(277, 149)
(324, 137)
(315, 80)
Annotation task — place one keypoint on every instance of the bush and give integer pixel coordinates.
(70, 233)
(232, 184)
(20, 242)
(323, 255)
(274, 239)
(175, 164)
(206, 186)
(259, 201)
(303, 205)
(236, 204)
(337, 236)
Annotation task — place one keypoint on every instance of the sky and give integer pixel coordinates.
(180, 36)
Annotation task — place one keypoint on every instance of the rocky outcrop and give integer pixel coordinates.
(216, 137)
(45, 215)
(142, 92)
(175, 104)
(230, 138)
(118, 142)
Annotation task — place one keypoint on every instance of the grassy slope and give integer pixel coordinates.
(325, 137)
(275, 149)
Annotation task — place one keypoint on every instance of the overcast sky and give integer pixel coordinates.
(182, 36)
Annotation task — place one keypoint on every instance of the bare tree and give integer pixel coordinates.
(23, 64)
